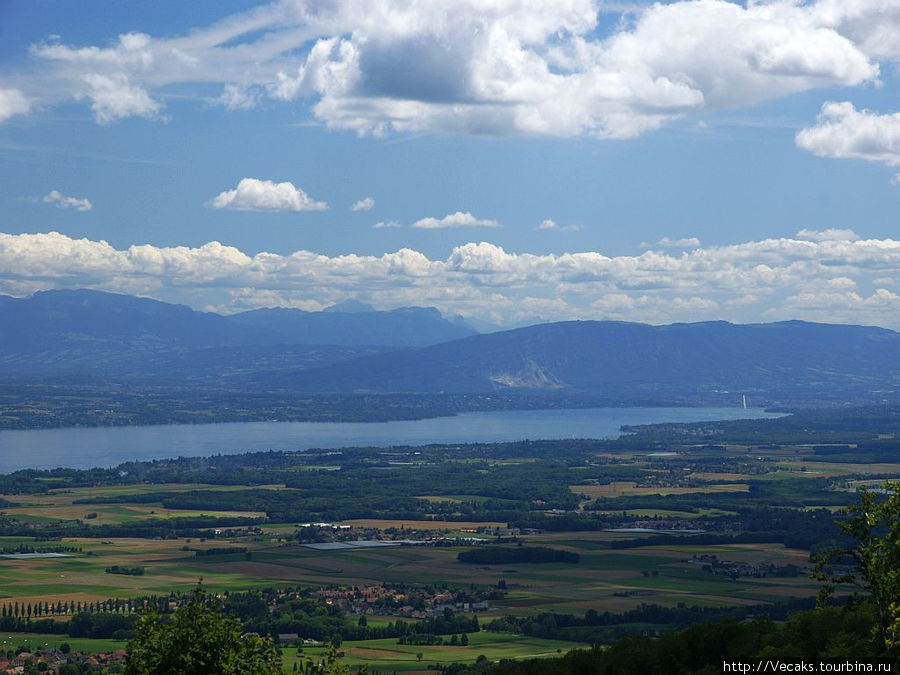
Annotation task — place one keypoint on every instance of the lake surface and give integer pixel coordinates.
(84, 448)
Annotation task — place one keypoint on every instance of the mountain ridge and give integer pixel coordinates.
(138, 342)
(79, 315)
(611, 357)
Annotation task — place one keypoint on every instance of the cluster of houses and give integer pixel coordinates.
(326, 536)
(51, 659)
(333, 526)
(715, 565)
(389, 601)
(674, 526)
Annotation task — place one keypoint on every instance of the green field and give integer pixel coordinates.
(34, 641)
(387, 655)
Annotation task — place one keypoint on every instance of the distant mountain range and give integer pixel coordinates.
(791, 359)
(403, 327)
(92, 334)
(89, 336)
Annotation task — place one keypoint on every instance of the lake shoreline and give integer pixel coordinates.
(89, 447)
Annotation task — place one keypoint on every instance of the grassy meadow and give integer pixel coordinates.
(387, 655)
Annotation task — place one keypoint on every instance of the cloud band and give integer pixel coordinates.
(824, 277)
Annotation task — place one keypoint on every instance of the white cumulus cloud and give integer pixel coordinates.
(63, 202)
(457, 219)
(363, 204)
(843, 132)
(549, 224)
(685, 242)
(253, 194)
(12, 102)
(543, 67)
(114, 97)
(831, 234)
(237, 97)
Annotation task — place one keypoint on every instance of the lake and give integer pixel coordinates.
(88, 447)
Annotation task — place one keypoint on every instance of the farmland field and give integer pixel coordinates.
(602, 578)
(621, 489)
(34, 641)
(387, 655)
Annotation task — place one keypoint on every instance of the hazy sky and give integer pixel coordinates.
(507, 160)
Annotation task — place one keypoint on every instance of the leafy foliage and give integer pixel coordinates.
(873, 525)
(828, 634)
(198, 640)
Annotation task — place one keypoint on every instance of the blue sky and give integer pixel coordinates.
(510, 161)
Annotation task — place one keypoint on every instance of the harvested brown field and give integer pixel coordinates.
(629, 488)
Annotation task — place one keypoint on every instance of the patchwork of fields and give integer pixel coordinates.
(647, 555)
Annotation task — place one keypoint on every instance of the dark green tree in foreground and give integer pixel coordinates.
(197, 640)
(873, 523)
